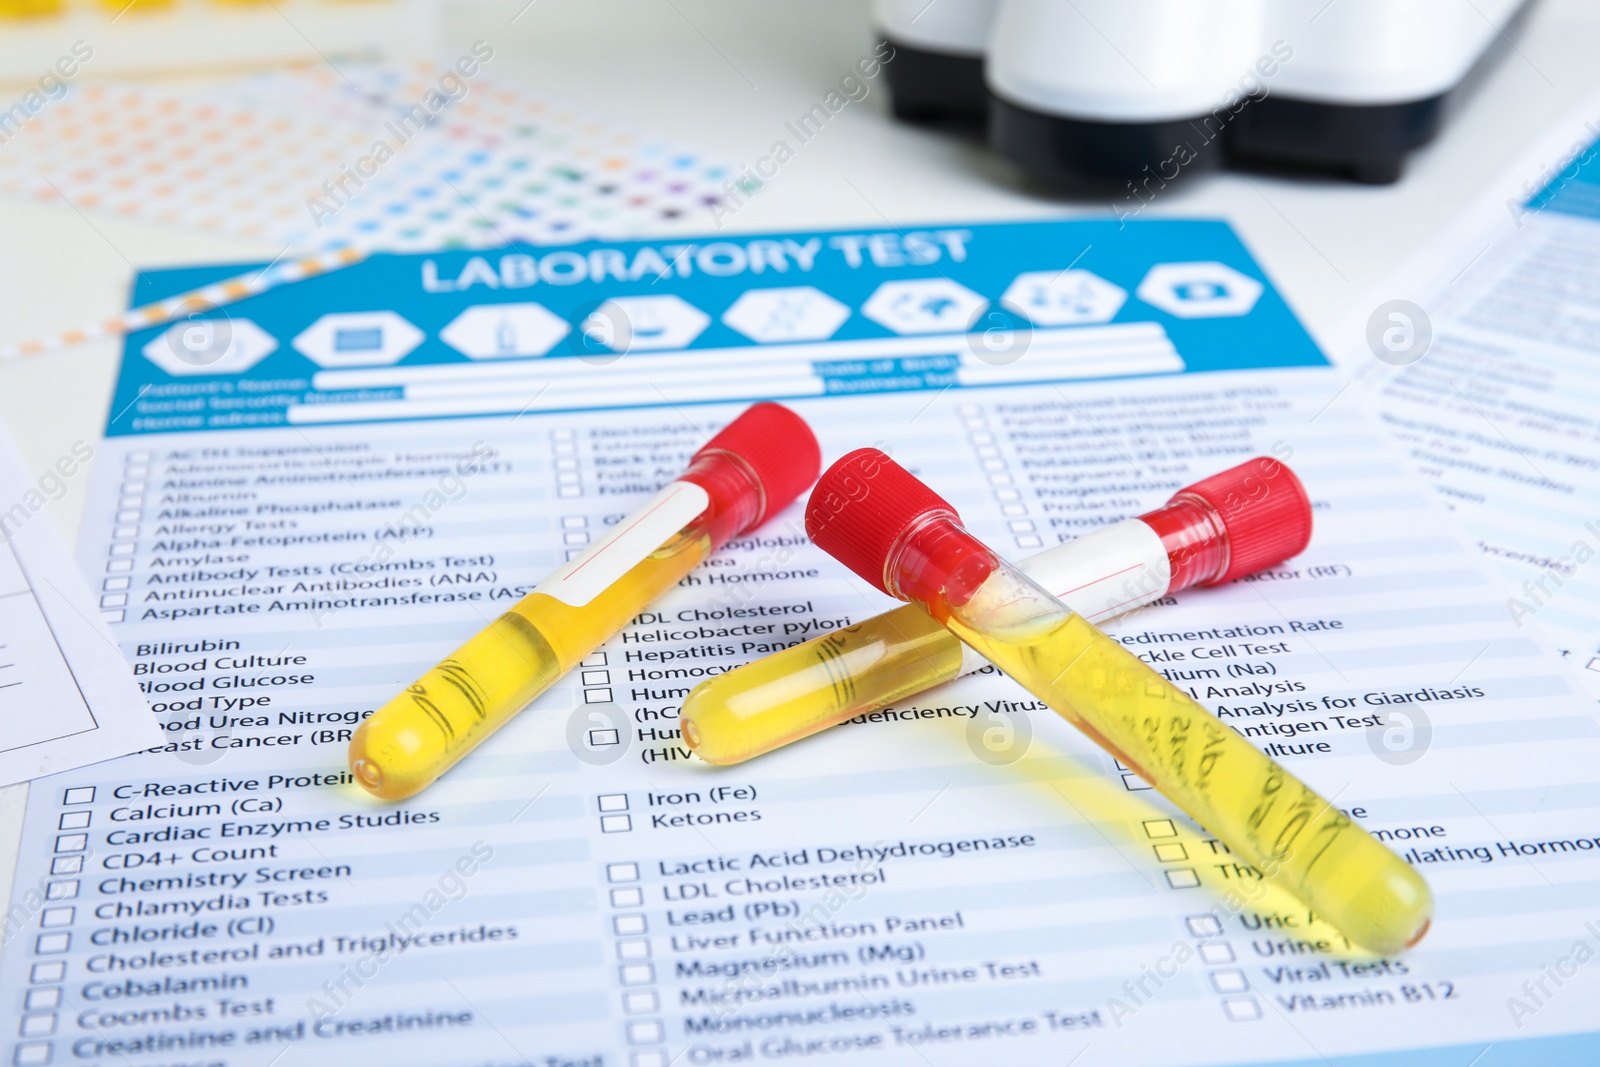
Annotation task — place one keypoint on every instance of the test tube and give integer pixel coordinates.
(886, 526)
(753, 469)
(1231, 524)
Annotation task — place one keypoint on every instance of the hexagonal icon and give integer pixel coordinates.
(799, 313)
(929, 305)
(210, 346)
(504, 331)
(358, 339)
(1064, 298)
(644, 323)
(1200, 290)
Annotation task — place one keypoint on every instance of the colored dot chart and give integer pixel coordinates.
(368, 157)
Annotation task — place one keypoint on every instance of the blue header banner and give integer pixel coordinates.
(714, 319)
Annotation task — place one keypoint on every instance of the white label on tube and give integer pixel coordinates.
(1099, 575)
(580, 580)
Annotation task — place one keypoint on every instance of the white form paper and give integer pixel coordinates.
(1485, 372)
(962, 879)
(67, 696)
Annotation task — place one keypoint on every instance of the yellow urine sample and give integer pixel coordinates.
(135, 7)
(29, 9)
(412, 740)
(797, 692)
(1262, 813)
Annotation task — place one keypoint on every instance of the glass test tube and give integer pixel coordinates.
(885, 525)
(1231, 524)
(754, 468)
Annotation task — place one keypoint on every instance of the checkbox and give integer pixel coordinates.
(1030, 541)
(649, 1058)
(641, 1003)
(988, 451)
(616, 824)
(1183, 878)
(566, 463)
(981, 438)
(637, 948)
(71, 842)
(74, 820)
(562, 434)
(602, 738)
(1230, 981)
(1241, 1009)
(622, 872)
(596, 660)
(628, 924)
(992, 465)
(122, 548)
(62, 890)
(575, 537)
(1203, 925)
(66, 865)
(42, 999)
(114, 600)
(1022, 526)
(37, 1026)
(48, 971)
(125, 533)
(567, 477)
(33, 1054)
(997, 478)
(569, 490)
(637, 973)
(1007, 494)
(597, 696)
(140, 455)
(574, 522)
(645, 1032)
(595, 677)
(119, 566)
(573, 553)
(1158, 828)
(1133, 783)
(613, 802)
(52, 944)
(627, 898)
(57, 917)
(127, 515)
(114, 615)
(1013, 509)
(1221, 952)
(112, 585)
(1172, 852)
(135, 486)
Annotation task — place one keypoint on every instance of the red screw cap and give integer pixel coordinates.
(778, 446)
(863, 505)
(1265, 510)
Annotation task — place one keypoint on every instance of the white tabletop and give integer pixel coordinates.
(725, 76)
